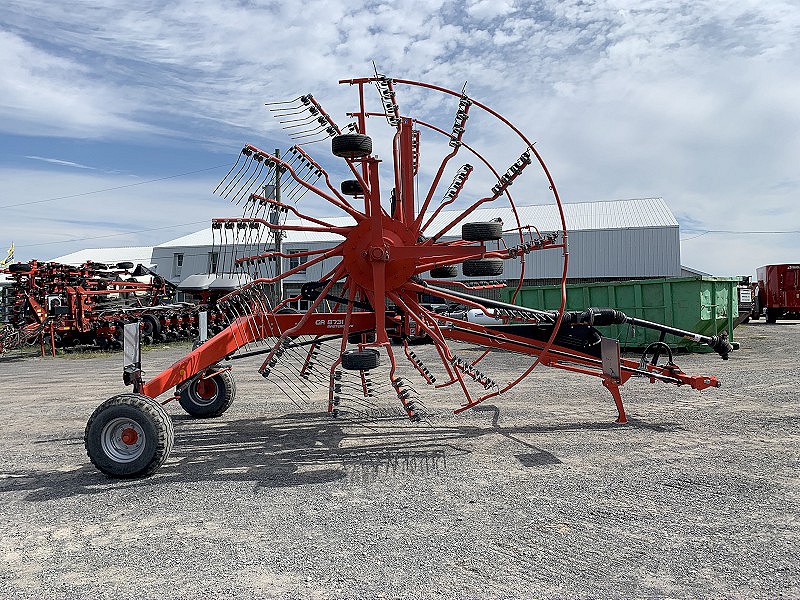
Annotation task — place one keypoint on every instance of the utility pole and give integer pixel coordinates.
(275, 219)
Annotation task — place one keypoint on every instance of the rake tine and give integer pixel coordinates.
(306, 121)
(238, 158)
(244, 187)
(288, 114)
(282, 102)
(235, 179)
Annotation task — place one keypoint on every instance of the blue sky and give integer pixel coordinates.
(117, 119)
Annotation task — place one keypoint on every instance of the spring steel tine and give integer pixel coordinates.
(243, 188)
(306, 132)
(314, 113)
(294, 394)
(298, 137)
(245, 167)
(241, 310)
(289, 368)
(233, 316)
(294, 185)
(300, 101)
(315, 129)
(304, 191)
(292, 101)
(322, 139)
(306, 121)
(252, 164)
(298, 110)
(238, 158)
(257, 182)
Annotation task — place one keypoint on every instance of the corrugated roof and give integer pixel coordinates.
(582, 216)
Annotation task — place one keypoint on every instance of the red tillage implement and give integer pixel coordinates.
(373, 281)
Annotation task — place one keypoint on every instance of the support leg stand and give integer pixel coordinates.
(615, 393)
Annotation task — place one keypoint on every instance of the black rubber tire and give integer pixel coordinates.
(478, 232)
(151, 326)
(19, 268)
(481, 267)
(150, 425)
(360, 360)
(206, 398)
(772, 315)
(444, 272)
(356, 338)
(351, 145)
(351, 187)
(127, 265)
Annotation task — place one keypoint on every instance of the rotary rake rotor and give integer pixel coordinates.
(399, 238)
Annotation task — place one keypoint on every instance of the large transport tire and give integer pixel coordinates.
(209, 397)
(351, 187)
(126, 265)
(481, 267)
(129, 436)
(478, 232)
(773, 314)
(444, 272)
(351, 145)
(360, 360)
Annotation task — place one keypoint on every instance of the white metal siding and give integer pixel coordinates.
(619, 239)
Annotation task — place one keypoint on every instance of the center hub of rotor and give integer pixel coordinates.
(363, 249)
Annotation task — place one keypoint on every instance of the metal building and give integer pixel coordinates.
(614, 240)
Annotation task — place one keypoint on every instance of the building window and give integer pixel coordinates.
(213, 259)
(296, 261)
(177, 264)
(300, 304)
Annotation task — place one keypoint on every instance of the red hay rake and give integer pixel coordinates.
(372, 285)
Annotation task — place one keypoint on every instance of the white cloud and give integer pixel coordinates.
(695, 102)
(45, 229)
(62, 163)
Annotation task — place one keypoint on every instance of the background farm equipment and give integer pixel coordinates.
(62, 305)
(396, 250)
(778, 294)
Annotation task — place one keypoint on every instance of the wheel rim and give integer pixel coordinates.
(205, 391)
(123, 440)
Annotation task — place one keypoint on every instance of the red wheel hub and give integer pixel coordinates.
(129, 436)
(206, 388)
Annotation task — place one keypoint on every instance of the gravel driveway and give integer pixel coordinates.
(537, 493)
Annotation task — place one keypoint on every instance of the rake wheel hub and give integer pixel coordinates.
(359, 253)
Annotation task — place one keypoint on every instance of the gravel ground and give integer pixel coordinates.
(536, 493)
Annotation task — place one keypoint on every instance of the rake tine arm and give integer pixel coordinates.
(455, 142)
(343, 231)
(264, 201)
(332, 199)
(331, 187)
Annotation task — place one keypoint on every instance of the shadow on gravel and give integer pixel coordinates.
(299, 450)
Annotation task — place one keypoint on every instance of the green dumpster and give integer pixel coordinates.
(704, 305)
